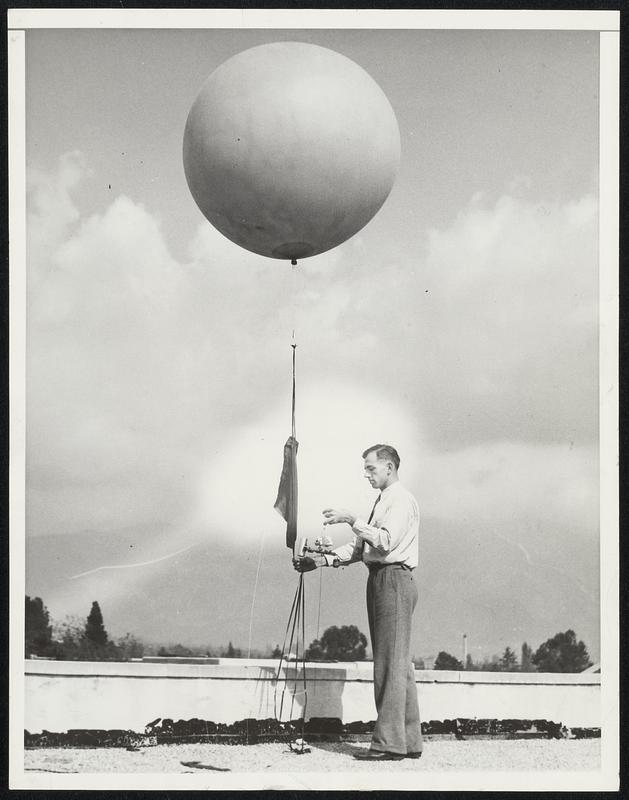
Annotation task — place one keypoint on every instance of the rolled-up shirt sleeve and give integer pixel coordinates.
(391, 536)
(387, 535)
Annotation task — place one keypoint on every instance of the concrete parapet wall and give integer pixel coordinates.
(61, 695)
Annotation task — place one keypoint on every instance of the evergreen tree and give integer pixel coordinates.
(526, 661)
(562, 653)
(469, 664)
(509, 661)
(38, 628)
(232, 652)
(95, 632)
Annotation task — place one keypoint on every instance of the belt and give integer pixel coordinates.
(375, 566)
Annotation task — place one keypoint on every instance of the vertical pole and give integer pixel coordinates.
(293, 428)
(294, 346)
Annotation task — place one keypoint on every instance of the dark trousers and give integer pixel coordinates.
(391, 600)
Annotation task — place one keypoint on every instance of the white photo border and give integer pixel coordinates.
(607, 23)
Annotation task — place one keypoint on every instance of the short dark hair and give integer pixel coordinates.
(384, 452)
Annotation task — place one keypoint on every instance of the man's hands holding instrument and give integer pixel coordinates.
(308, 563)
(332, 516)
(335, 515)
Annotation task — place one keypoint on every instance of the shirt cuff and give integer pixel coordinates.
(379, 538)
(359, 526)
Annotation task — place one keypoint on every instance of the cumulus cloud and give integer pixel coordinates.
(159, 391)
(51, 209)
(493, 331)
(102, 366)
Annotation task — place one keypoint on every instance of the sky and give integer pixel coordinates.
(460, 325)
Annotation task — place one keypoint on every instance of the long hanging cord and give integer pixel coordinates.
(255, 589)
(319, 605)
(293, 428)
(294, 635)
(323, 534)
(253, 603)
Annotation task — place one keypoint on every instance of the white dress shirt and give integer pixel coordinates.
(392, 536)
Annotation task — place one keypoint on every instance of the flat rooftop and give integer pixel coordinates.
(439, 756)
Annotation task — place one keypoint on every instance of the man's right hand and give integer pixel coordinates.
(304, 564)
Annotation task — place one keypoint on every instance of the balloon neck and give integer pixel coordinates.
(293, 261)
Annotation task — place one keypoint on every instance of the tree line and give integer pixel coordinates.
(88, 640)
(561, 653)
(77, 639)
(74, 639)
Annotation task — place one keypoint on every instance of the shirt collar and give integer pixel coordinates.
(389, 490)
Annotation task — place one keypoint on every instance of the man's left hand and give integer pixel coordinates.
(304, 564)
(335, 515)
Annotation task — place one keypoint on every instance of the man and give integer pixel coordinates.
(388, 544)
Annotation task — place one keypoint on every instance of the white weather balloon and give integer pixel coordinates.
(290, 149)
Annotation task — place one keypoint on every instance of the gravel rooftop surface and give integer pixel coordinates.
(448, 755)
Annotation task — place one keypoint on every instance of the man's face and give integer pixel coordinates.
(377, 471)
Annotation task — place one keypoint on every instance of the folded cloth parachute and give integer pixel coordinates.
(286, 502)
